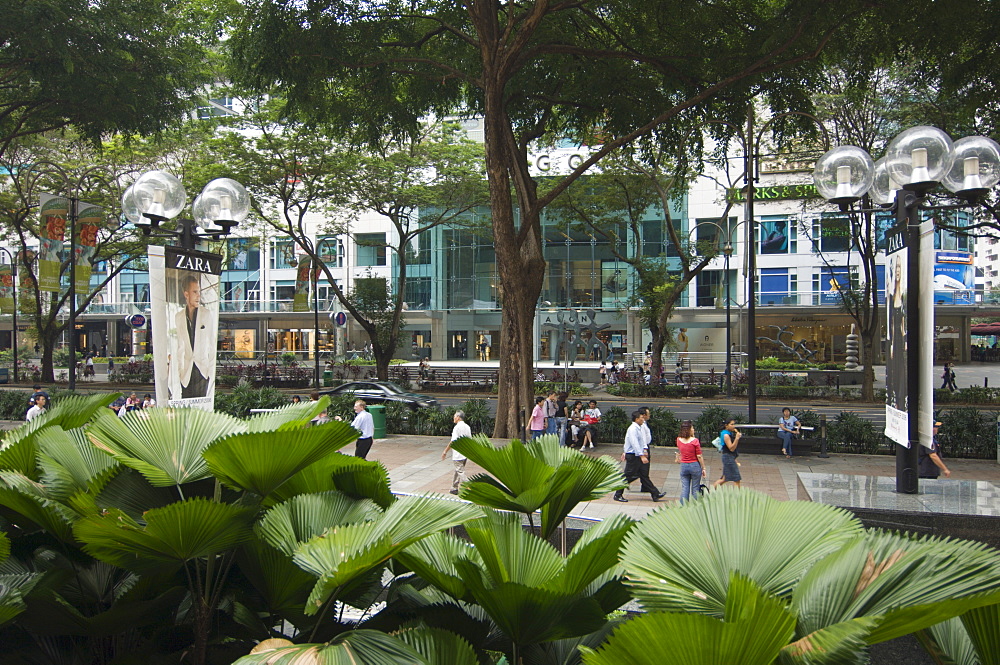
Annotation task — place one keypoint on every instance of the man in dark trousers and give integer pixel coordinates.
(636, 458)
(931, 465)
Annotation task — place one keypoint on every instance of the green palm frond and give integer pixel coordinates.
(908, 583)
(543, 476)
(839, 644)
(513, 465)
(949, 643)
(173, 534)
(511, 554)
(982, 624)
(31, 510)
(69, 462)
(4, 546)
(301, 518)
(11, 598)
(283, 586)
(292, 416)
(357, 647)
(343, 553)
(261, 461)
(122, 488)
(163, 444)
(680, 557)
(594, 555)
(355, 477)
(19, 448)
(756, 626)
(433, 559)
(439, 646)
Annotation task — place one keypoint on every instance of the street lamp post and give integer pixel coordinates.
(916, 162)
(13, 329)
(728, 252)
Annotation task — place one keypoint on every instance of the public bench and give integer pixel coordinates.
(768, 443)
(470, 377)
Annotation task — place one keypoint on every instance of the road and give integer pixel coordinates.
(767, 412)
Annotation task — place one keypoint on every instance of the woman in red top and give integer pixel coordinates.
(692, 463)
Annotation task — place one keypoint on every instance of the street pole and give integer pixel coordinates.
(729, 327)
(749, 148)
(74, 208)
(315, 286)
(908, 458)
(13, 330)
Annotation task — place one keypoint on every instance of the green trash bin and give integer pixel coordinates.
(327, 378)
(378, 419)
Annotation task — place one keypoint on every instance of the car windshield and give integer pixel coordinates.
(391, 387)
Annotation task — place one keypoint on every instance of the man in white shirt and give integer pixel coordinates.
(363, 423)
(461, 429)
(636, 458)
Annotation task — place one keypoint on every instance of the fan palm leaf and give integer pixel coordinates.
(11, 598)
(283, 586)
(755, 627)
(27, 505)
(680, 558)
(68, 461)
(163, 444)
(344, 553)
(543, 476)
(355, 477)
(171, 535)
(293, 522)
(949, 643)
(287, 417)
(909, 583)
(20, 447)
(261, 461)
(357, 647)
(981, 624)
(439, 646)
(4, 546)
(433, 559)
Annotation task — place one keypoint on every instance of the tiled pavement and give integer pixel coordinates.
(414, 464)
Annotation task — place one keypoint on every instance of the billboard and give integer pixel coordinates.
(184, 294)
(954, 278)
(896, 386)
(51, 234)
(88, 223)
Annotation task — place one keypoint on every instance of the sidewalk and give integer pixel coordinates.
(414, 465)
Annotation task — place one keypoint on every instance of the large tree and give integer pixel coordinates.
(607, 72)
(306, 184)
(100, 67)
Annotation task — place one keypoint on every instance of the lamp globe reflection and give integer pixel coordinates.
(843, 175)
(975, 167)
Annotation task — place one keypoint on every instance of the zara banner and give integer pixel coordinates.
(184, 294)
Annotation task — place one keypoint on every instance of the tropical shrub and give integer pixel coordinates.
(614, 422)
(738, 577)
(968, 431)
(245, 397)
(850, 433)
(14, 404)
(664, 426)
(712, 419)
(182, 535)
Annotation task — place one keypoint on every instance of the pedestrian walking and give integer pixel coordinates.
(38, 408)
(603, 372)
(788, 428)
(730, 468)
(537, 424)
(562, 416)
(691, 461)
(366, 426)
(636, 457)
(948, 377)
(930, 465)
(460, 430)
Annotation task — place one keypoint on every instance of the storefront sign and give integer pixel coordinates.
(774, 193)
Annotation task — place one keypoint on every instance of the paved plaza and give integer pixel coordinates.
(414, 464)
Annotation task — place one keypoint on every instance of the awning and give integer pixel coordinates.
(986, 329)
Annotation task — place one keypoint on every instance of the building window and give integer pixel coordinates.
(776, 287)
(418, 292)
(776, 235)
(215, 108)
(371, 249)
(710, 287)
(330, 250)
(283, 255)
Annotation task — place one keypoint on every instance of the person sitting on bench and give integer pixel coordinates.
(788, 427)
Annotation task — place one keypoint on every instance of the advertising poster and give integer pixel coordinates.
(835, 279)
(6, 289)
(184, 291)
(954, 278)
(614, 284)
(87, 225)
(774, 237)
(896, 403)
(300, 301)
(243, 254)
(51, 234)
(244, 339)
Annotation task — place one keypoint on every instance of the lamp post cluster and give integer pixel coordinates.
(917, 161)
(158, 196)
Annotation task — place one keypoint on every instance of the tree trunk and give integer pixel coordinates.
(656, 362)
(868, 376)
(47, 342)
(382, 358)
